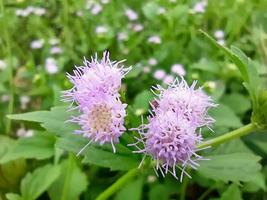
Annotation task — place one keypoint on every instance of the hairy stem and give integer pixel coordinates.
(118, 184)
(230, 135)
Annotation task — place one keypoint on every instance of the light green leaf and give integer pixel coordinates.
(232, 192)
(71, 182)
(141, 102)
(225, 117)
(37, 182)
(233, 167)
(131, 191)
(53, 121)
(256, 183)
(39, 146)
(12, 196)
(237, 102)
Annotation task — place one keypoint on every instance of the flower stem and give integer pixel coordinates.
(118, 184)
(230, 135)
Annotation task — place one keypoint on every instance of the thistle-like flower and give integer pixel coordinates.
(173, 131)
(102, 120)
(94, 77)
(96, 94)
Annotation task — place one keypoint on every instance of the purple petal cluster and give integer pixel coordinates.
(95, 94)
(173, 130)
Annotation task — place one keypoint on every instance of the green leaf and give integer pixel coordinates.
(131, 191)
(225, 117)
(141, 102)
(232, 192)
(150, 10)
(12, 196)
(53, 121)
(11, 172)
(233, 167)
(159, 191)
(136, 70)
(71, 182)
(256, 183)
(37, 182)
(237, 102)
(39, 146)
(102, 156)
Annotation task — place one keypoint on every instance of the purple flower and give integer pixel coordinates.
(95, 77)
(102, 120)
(173, 130)
(96, 93)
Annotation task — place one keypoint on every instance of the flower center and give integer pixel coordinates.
(100, 117)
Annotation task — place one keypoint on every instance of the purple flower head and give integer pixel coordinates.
(173, 131)
(102, 120)
(95, 90)
(95, 77)
(192, 103)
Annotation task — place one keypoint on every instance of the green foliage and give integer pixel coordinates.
(40, 146)
(233, 167)
(70, 183)
(132, 191)
(233, 192)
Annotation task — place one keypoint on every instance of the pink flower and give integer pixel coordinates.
(132, 15)
(178, 69)
(159, 74)
(154, 39)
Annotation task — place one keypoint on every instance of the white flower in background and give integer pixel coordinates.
(30, 9)
(159, 74)
(55, 50)
(37, 44)
(96, 9)
(101, 29)
(221, 42)
(2, 65)
(51, 66)
(24, 101)
(22, 132)
(172, 1)
(154, 39)
(5, 98)
(211, 84)
(53, 41)
(131, 14)
(152, 62)
(178, 69)
(161, 10)
(168, 79)
(219, 34)
(79, 13)
(39, 11)
(200, 7)
(105, 1)
(22, 12)
(146, 69)
(122, 36)
(137, 27)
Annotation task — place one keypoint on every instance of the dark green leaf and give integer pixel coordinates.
(232, 192)
(131, 191)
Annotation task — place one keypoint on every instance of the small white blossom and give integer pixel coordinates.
(55, 50)
(24, 101)
(2, 65)
(51, 66)
(96, 9)
(152, 62)
(159, 74)
(178, 69)
(154, 39)
(131, 14)
(37, 44)
(21, 132)
(101, 29)
(168, 79)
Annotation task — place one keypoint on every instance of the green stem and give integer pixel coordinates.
(230, 135)
(118, 184)
(184, 186)
(4, 20)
